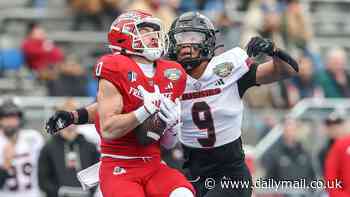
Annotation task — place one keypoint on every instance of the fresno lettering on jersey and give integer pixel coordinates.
(211, 106)
(137, 93)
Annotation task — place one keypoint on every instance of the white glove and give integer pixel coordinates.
(151, 103)
(170, 112)
(169, 138)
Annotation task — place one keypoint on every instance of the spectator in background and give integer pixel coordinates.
(158, 9)
(87, 11)
(335, 80)
(263, 18)
(295, 27)
(303, 85)
(288, 160)
(111, 9)
(41, 54)
(269, 121)
(335, 128)
(337, 168)
(62, 157)
(19, 152)
(71, 79)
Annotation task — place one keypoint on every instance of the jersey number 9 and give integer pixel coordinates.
(203, 119)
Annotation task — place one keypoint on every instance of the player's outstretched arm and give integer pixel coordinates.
(282, 65)
(62, 119)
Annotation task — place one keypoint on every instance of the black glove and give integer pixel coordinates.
(258, 45)
(60, 120)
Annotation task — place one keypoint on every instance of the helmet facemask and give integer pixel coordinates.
(195, 31)
(151, 45)
(194, 41)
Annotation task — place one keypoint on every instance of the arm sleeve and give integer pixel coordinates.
(47, 181)
(332, 168)
(3, 176)
(247, 80)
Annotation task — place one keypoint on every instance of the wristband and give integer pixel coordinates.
(141, 114)
(83, 116)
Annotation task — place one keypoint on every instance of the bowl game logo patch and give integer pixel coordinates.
(172, 74)
(223, 69)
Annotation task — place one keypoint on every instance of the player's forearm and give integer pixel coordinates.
(118, 125)
(275, 70)
(285, 65)
(282, 70)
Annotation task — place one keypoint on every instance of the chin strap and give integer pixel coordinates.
(190, 64)
(119, 49)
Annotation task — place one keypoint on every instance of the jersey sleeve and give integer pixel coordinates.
(241, 63)
(107, 68)
(231, 65)
(247, 80)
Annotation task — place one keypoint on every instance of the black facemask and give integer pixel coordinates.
(10, 131)
(190, 63)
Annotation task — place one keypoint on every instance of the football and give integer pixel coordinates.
(150, 130)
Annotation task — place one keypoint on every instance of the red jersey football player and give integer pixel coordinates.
(133, 85)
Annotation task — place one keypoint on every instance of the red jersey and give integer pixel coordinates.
(337, 167)
(126, 75)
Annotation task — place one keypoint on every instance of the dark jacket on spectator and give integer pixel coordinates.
(330, 86)
(55, 167)
(322, 155)
(288, 163)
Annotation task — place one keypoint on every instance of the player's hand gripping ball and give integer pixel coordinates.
(151, 130)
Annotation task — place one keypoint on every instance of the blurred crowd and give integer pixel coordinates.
(286, 22)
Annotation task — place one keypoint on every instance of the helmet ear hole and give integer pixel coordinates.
(120, 40)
